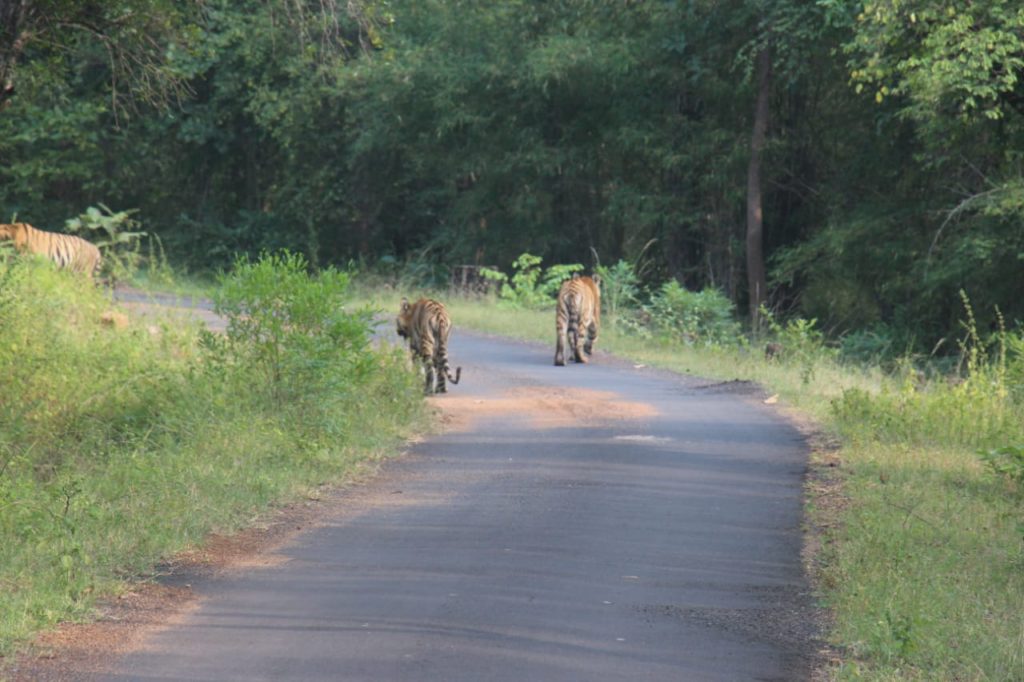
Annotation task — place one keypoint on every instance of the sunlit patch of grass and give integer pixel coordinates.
(164, 280)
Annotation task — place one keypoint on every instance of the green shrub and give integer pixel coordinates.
(704, 318)
(1006, 461)
(115, 234)
(530, 286)
(84, 379)
(620, 289)
(868, 346)
(292, 328)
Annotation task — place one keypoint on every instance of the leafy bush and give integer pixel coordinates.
(620, 289)
(799, 342)
(1006, 461)
(292, 327)
(705, 318)
(868, 346)
(1014, 351)
(115, 235)
(530, 286)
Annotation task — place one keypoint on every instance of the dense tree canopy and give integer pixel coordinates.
(466, 131)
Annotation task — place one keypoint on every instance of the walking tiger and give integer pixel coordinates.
(67, 251)
(577, 317)
(426, 325)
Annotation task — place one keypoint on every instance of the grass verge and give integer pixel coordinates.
(122, 444)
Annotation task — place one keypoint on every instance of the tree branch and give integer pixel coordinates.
(956, 211)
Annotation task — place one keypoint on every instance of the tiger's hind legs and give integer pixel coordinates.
(560, 348)
(429, 375)
(442, 385)
(578, 353)
(588, 345)
(431, 380)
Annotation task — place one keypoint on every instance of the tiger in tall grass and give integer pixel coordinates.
(67, 251)
(577, 317)
(427, 325)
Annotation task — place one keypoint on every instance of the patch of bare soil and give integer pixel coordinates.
(545, 407)
(81, 651)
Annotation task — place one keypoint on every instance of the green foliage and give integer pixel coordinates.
(875, 345)
(74, 405)
(470, 133)
(292, 328)
(122, 446)
(799, 342)
(1007, 461)
(1014, 354)
(946, 60)
(127, 45)
(620, 289)
(530, 285)
(975, 411)
(115, 235)
(705, 318)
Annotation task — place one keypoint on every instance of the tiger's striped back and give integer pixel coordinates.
(426, 325)
(65, 250)
(577, 317)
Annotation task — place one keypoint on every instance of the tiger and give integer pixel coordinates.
(67, 251)
(577, 317)
(427, 325)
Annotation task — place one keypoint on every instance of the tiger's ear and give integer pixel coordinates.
(405, 304)
(575, 275)
(596, 278)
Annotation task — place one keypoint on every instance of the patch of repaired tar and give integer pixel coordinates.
(783, 617)
(733, 387)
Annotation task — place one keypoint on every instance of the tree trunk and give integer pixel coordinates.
(12, 42)
(756, 282)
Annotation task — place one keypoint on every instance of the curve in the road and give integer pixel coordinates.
(596, 522)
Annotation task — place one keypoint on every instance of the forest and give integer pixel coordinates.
(822, 199)
(854, 163)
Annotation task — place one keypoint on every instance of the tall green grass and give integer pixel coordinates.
(122, 446)
(923, 559)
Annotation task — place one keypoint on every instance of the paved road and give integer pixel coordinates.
(664, 546)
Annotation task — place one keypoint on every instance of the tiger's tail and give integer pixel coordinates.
(444, 329)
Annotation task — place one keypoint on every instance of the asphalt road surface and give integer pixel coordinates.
(598, 522)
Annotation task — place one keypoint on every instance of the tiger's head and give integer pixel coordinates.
(403, 322)
(15, 232)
